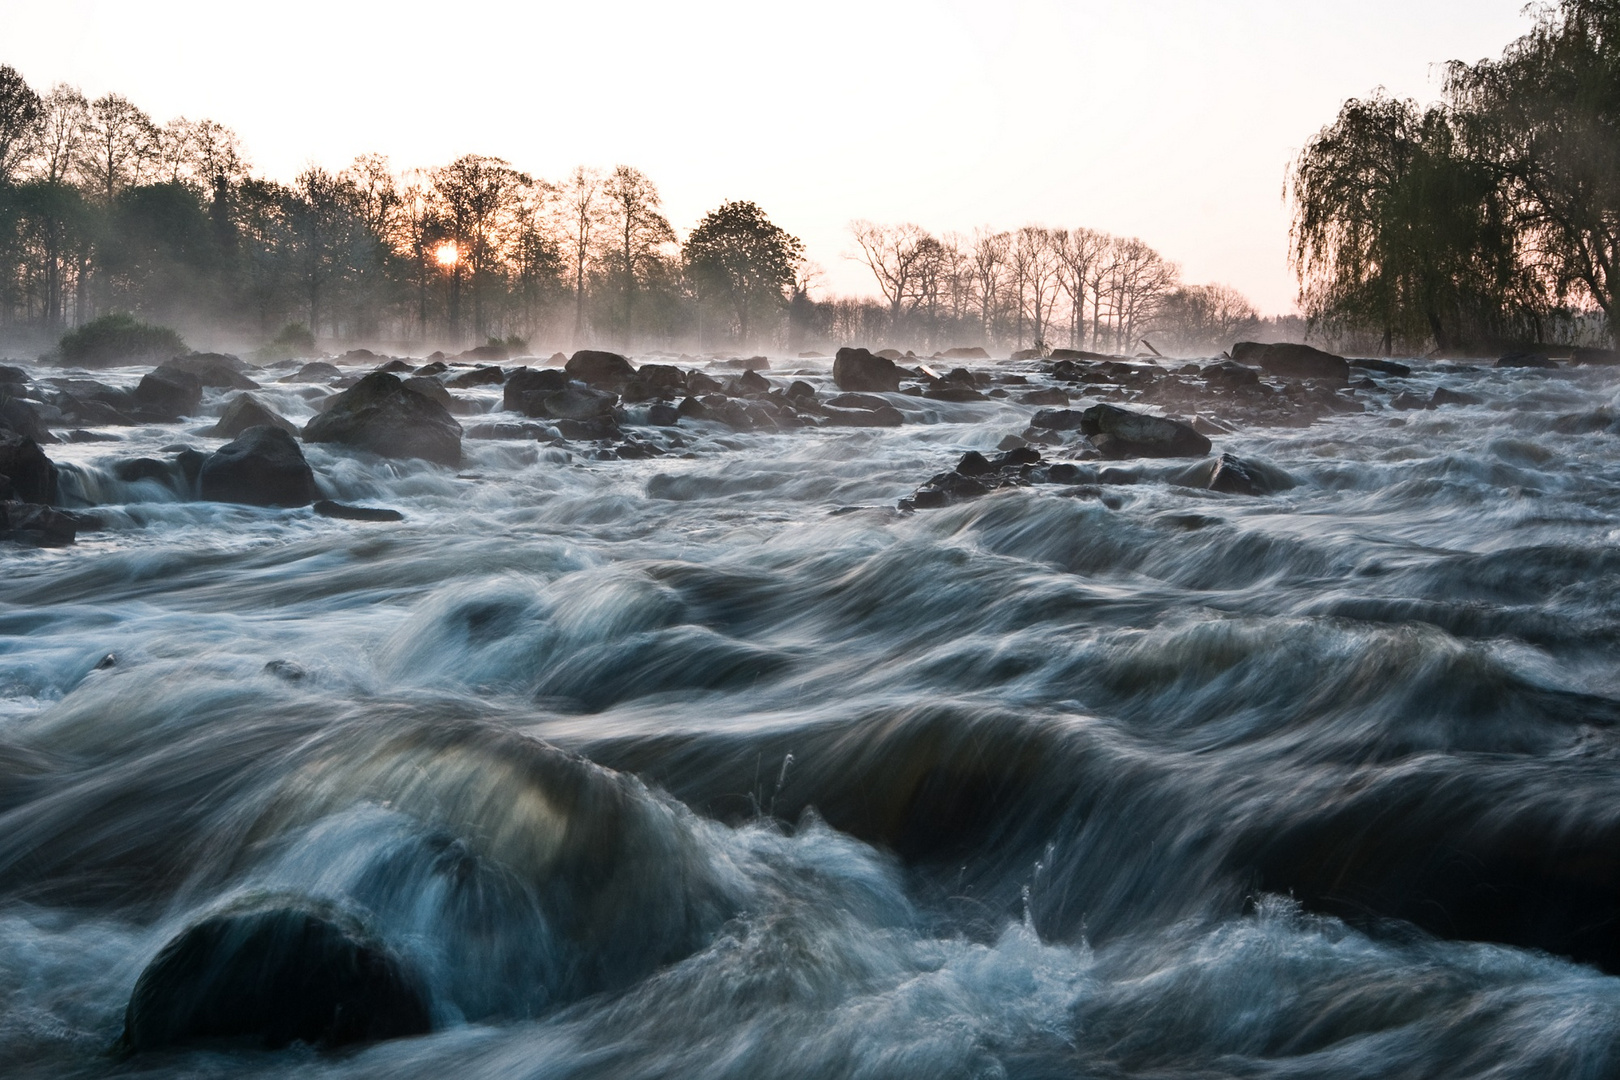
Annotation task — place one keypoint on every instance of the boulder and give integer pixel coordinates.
(495, 353)
(1058, 419)
(1077, 354)
(655, 380)
(661, 415)
(165, 395)
(379, 414)
(860, 371)
(970, 352)
(601, 370)
(1050, 395)
(40, 526)
(575, 403)
(395, 367)
(1442, 396)
(1385, 367)
(314, 371)
(478, 376)
(263, 467)
(212, 369)
(1234, 476)
(437, 367)
(271, 975)
(884, 416)
(1290, 360)
(26, 474)
(28, 417)
(246, 411)
(1119, 433)
(1228, 375)
(526, 386)
(356, 357)
(1526, 360)
(430, 388)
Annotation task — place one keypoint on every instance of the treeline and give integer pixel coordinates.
(103, 210)
(1489, 218)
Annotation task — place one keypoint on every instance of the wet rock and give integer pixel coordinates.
(698, 384)
(953, 392)
(1026, 354)
(604, 427)
(493, 353)
(1228, 375)
(345, 512)
(526, 387)
(1582, 357)
(478, 376)
(1584, 423)
(501, 430)
(79, 435)
(883, 416)
(314, 371)
(165, 395)
(858, 401)
(1048, 396)
(357, 357)
(36, 525)
(1406, 402)
(1526, 360)
(1119, 433)
(28, 417)
(1289, 360)
(1076, 354)
(26, 474)
(1058, 419)
(802, 393)
(1442, 396)
(575, 403)
(1233, 476)
(437, 367)
(861, 371)
(380, 415)
(600, 370)
(264, 466)
(662, 415)
(212, 369)
(143, 468)
(971, 352)
(394, 367)
(286, 670)
(1383, 367)
(246, 411)
(752, 382)
(273, 975)
(431, 389)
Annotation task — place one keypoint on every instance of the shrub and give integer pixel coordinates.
(292, 342)
(119, 338)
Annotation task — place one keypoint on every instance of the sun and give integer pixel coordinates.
(447, 253)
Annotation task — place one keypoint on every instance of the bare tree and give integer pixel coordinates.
(895, 254)
(60, 134)
(582, 209)
(641, 232)
(989, 265)
(479, 196)
(120, 141)
(1077, 249)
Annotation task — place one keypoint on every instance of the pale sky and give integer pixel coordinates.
(1172, 120)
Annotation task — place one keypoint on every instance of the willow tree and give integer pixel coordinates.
(1546, 117)
(739, 256)
(1397, 228)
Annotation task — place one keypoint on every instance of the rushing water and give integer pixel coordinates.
(718, 765)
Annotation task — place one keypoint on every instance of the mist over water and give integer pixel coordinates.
(719, 765)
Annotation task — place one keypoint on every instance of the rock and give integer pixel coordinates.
(600, 370)
(1442, 396)
(1385, 367)
(575, 403)
(655, 380)
(1228, 375)
(314, 371)
(857, 401)
(1119, 433)
(432, 389)
(393, 367)
(1076, 354)
(1582, 357)
(41, 526)
(1021, 355)
(28, 417)
(886, 416)
(974, 463)
(945, 392)
(29, 476)
(478, 376)
(272, 974)
(526, 386)
(212, 369)
(1058, 419)
(662, 415)
(1050, 395)
(1289, 360)
(246, 411)
(328, 508)
(437, 367)
(1233, 476)
(1584, 423)
(143, 468)
(491, 354)
(262, 467)
(380, 415)
(861, 371)
(970, 352)
(286, 670)
(1526, 360)
(1406, 402)
(165, 395)
(802, 392)
(356, 357)
(752, 382)
(699, 383)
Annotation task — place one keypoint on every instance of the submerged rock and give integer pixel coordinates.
(380, 414)
(344, 512)
(271, 974)
(263, 467)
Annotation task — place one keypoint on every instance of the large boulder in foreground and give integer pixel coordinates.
(26, 474)
(600, 370)
(263, 467)
(272, 975)
(1290, 360)
(246, 411)
(381, 414)
(859, 371)
(1120, 433)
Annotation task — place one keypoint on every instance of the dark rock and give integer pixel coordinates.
(1229, 375)
(328, 508)
(693, 409)
(500, 430)
(1026, 354)
(430, 388)
(478, 376)
(212, 369)
(757, 363)
(190, 463)
(1526, 360)
(602, 427)
(801, 391)
(380, 415)
(1583, 356)
(285, 669)
(273, 974)
(1232, 477)
(262, 467)
(752, 382)
(1077, 354)
(1584, 423)
(392, 367)
(489, 354)
(79, 435)
(1442, 396)
(857, 401)
(1017, 456)
(1120, 433)
(438, 367)
(143, 468)
(1058, 419)
(953, 393)
(974, 463)
(1289, 360)
(600, 370)
(1048, 396)
(1384, 367)
(525, 388)
(886, 416)
(356, 357)
(165, 395)
(314, 371)
(1406, 402)
(662, 415)
(245, 411)
(971, 352)
(28, 417)
(575, 403)
(29, 475)
(859, 370)
(891, 354)
(654, 381)
(698, 383)
(41, 526)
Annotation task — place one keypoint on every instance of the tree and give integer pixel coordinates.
(479, 196)
(1203, 319)
(1546, 118)
(894, 254)
(119, 141)
(640, 233)
(582, 210)
(989, 261)
(738, 255)
(60, 134)
(20, 112)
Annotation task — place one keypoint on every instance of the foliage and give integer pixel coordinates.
(290, 343)
(119, 338)
(737, 255)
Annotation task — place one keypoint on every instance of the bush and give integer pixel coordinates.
(119, 338)
(292, 342)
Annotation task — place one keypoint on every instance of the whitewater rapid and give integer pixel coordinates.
(718, 764)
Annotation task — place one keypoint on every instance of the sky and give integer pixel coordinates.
(1171, 120)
